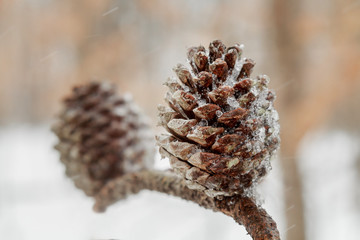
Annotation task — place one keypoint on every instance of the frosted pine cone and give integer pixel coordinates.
(102, 136)
(222, 124)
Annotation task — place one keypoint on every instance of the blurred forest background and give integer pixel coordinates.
(310, 49)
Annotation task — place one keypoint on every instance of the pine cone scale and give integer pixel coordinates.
(219, 119)
(100, 133)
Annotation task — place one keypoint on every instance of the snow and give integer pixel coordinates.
(202, 123)
(331, 185)
(219, 113)
(232, 79)
(233, 103)
(120, 111)
(110, 11)
(38, 201)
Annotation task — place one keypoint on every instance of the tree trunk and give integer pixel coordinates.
(285, 13)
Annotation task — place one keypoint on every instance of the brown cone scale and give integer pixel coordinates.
(222, 127)
(101, 136)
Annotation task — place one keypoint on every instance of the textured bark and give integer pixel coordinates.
(243, 209)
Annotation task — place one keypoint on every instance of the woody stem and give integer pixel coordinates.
(242, 209)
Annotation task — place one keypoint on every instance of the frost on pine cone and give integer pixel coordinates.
(222, 126)
(101, 136)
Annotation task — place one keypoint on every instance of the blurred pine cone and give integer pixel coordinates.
(102, 136)
(222, 124)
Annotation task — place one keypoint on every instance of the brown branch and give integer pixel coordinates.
(243, 209)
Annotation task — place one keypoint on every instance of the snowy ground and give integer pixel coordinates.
(38, 202)
(331, 185)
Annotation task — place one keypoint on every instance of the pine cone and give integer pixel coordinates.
(222, 124)
(102, 136)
